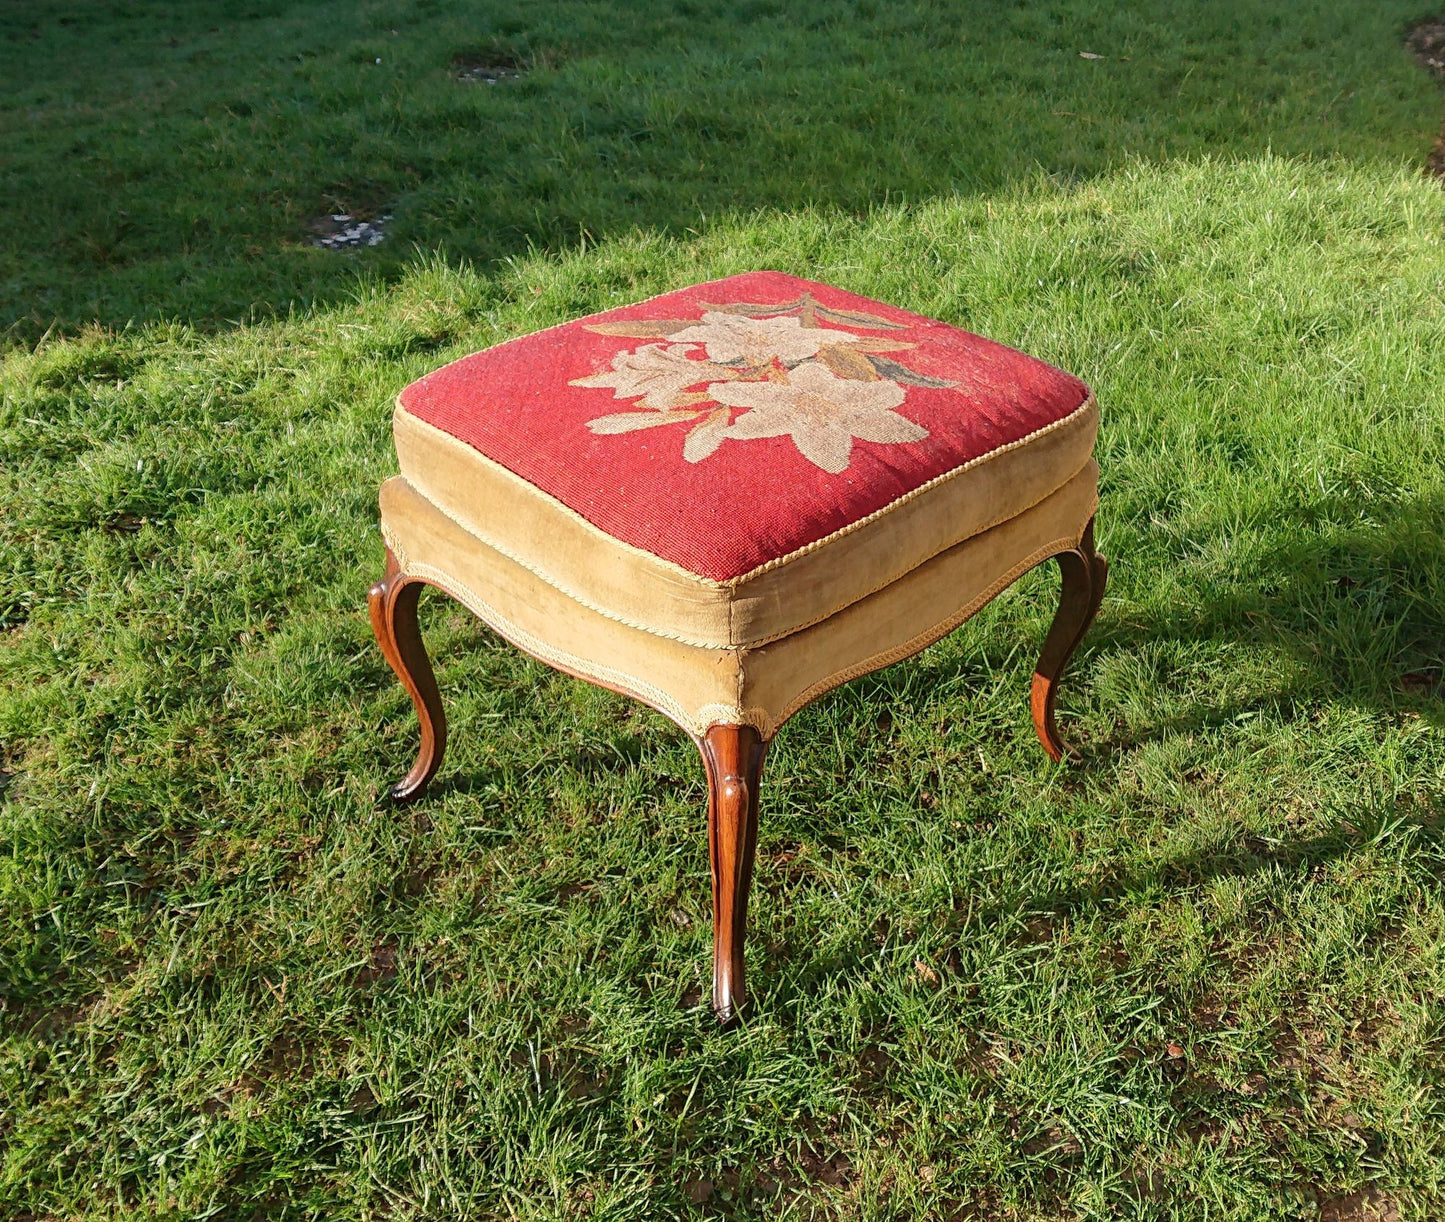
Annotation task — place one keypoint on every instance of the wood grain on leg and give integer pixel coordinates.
(733, 756)
(1085, 573)
(393, 602)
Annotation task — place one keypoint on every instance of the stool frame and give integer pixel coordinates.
(732, 754)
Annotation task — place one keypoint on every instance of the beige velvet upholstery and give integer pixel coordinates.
(495, 508)
(755, 651)
(726, 501)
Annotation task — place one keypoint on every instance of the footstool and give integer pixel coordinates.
(726, 501)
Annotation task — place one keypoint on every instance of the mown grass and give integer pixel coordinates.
(164, 160)
(1199, 976)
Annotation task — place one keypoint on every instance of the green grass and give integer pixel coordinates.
(163, 160)
(235, 985)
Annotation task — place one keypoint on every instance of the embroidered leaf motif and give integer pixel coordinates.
(820, 412)
(705, 437)
(751, 307)
(641, 328)
(660, 373)
(857, 318)
(630, 422)
(867, 343)
(847, 363)
(766, 370)
(742, 340)
(901, 373)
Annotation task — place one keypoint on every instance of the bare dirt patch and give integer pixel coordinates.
(1427, 40)
(486, 70)
(1367, 1205)
(346, 231)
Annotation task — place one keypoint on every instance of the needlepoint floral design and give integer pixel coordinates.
(820, 411)
(743, 340)
(745, 371)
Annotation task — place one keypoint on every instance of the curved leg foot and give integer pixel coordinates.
(393, 619)
(1085, 573)
(733, 756)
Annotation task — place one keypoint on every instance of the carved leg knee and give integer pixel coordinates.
(1085, 573)
(393, 602)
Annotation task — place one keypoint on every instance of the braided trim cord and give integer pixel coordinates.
(941, 478)
(724, 590)
(710, 583)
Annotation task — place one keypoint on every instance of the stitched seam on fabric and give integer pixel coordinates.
(739, 679)
(393, 544)
(723, 714)
(559, 658)
(715, 713)
(697, 723)
(750, 643)
(778, 561)
(778, 636)
(922, 640)
(941, 478)
(566, 510)
(561, 589)
(730, 643)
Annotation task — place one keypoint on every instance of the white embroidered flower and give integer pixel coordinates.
(659, 373)
(757, 341)
(820, 412)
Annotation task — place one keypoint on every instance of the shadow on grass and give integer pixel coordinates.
(1349, 592)
(209, 159)
(1355, 611)
(1352, 606)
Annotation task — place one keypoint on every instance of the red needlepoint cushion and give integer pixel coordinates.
(727, 426)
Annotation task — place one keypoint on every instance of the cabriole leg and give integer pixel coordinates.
(733, 756)
(1085, 573)
(393, 618)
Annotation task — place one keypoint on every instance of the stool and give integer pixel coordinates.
(724, 502)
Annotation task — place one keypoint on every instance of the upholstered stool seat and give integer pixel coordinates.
(727, 500)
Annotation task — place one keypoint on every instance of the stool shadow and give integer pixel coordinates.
(1354, 607)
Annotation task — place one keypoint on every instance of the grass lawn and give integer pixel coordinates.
(1199, 976)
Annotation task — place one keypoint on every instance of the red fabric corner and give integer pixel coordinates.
(753, 498)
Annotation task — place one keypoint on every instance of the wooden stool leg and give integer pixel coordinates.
(733, 756)
(1085, 573)
(393, 618)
